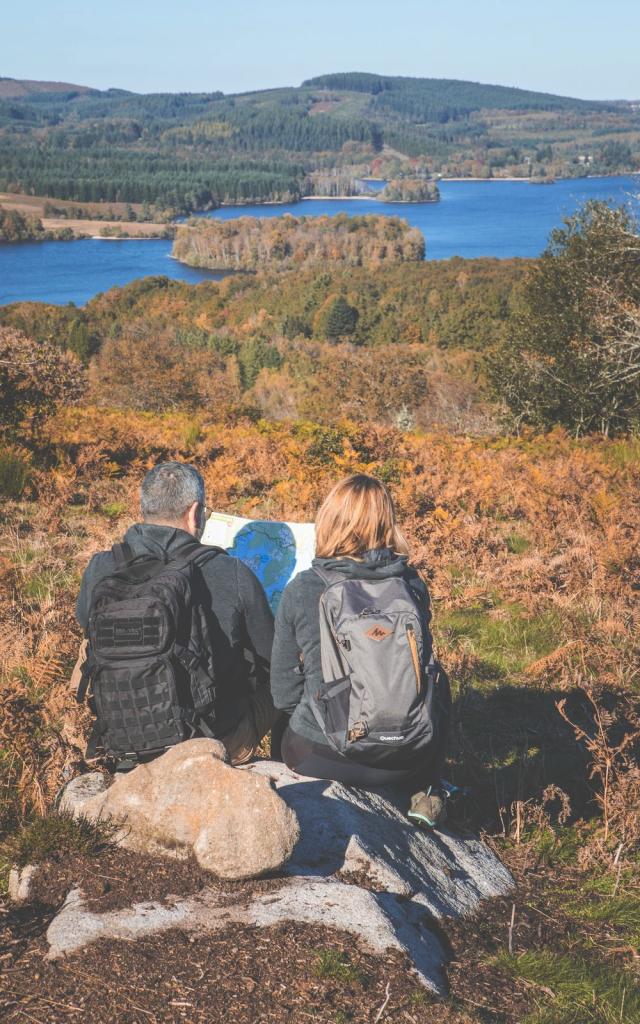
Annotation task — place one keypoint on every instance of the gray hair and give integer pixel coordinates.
(169, 489)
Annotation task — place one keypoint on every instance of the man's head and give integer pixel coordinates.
(172, 494)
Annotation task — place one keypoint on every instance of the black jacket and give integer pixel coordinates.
(239, 606)
(296, 670)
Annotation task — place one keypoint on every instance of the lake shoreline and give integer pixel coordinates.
(149, 231)
(557, 179)
(366, 199)
(470, 222)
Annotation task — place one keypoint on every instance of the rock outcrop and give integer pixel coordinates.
(191, 801)
(366, 834)
(378, 922)
(320, 835)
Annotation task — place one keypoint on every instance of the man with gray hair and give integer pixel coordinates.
(163, 556)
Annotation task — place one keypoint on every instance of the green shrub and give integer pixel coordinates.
(114, 509)
(57, 834)
(517, 544)
(14, 474)
(192, 435)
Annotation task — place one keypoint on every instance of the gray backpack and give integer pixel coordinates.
(376, 700)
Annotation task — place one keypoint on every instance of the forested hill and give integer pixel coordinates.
(10, 88)
(184, 151)
(443, 99)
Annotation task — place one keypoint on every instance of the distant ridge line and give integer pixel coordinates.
(359, 81)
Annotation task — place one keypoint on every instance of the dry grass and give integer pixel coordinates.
(81, 228)
(530, 548)
(34, 206)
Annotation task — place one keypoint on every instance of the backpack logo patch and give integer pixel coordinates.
(378, 633)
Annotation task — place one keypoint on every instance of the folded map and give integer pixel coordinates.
(274, 551)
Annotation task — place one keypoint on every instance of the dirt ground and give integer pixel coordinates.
(288, 973)
(35, 205)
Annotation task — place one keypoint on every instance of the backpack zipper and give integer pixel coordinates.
(415, 657)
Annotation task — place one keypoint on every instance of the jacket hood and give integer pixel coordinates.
(159, 541)
(381, 563)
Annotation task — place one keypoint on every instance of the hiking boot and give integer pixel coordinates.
(428, 808)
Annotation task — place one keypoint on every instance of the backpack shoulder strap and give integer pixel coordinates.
(122, 554)
(135, 568)
(197, 553)
(328, 577)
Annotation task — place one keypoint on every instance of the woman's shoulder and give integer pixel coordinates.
(307, 579)
(305, 583)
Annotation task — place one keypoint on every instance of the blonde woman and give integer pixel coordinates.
(358, 538)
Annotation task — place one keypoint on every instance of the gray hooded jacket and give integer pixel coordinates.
(296, 670)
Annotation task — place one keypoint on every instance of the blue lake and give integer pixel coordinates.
(473, 218)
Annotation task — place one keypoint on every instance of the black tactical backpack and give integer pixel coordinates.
(379, 677)
(150, 654)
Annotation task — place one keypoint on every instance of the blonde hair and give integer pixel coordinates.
(358, 516)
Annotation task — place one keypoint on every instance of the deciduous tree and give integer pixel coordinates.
(573, 356)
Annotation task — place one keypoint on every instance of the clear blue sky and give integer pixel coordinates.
(583, 48)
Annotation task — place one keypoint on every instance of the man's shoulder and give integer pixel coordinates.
(219, 567)
(100, 564)
(217, 560)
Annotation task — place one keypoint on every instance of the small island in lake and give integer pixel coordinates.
(247, 243)
(410, 190)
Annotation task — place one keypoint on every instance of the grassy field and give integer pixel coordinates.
(34, 206)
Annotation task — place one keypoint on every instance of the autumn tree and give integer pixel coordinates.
(35, 378)
(14, 227)
(153, 372)
(255, 355)
(82, 342)
(573, 355)
(366, 385)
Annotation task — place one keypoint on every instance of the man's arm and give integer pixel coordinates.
(287, 678)
(258, 621)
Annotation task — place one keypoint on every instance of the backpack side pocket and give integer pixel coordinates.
(331, 708)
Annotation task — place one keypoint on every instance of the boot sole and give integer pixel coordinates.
(421, 819)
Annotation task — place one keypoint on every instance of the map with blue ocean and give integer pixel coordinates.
(274, 551)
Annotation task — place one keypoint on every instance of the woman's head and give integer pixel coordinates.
(357, 516)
